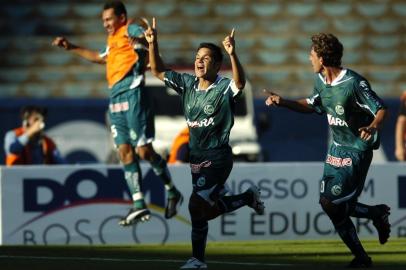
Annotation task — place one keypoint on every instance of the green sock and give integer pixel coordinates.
(160, 169)
(132, 175)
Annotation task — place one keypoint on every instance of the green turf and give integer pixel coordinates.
(254, 255)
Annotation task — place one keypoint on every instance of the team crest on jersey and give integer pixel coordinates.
(208, 109)
(201, 181)
(339, 110)
(336, 190)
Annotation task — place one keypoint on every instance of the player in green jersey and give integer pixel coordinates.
(208, 105)
(355, 114)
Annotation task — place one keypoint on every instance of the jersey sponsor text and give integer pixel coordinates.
(202, 123)
(335, 121)
(338, 162)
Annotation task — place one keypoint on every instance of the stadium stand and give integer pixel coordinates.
(273, 39)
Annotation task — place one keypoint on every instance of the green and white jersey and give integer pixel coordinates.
(209, 113)
(350, 104)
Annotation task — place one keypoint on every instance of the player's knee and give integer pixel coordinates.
(146, 152)
(126, 153)
(336, 212)
(201, 210)
(328, 207)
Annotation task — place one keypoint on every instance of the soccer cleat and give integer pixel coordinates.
(135, 215)
(360, 262)
(382, 224)
(194, 263)
(173, 205)
(257, 204)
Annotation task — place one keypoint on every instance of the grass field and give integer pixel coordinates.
(220, 255)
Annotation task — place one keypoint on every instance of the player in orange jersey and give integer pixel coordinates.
(132, 121)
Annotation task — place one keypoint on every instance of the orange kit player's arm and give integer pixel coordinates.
(90, 55)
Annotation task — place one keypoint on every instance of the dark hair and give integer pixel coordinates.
(117, 6)
(216, 51)
(29, 110)
(329, 48)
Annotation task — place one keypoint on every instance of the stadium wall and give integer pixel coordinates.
(47, 205)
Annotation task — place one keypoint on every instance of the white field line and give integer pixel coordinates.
(136, 260)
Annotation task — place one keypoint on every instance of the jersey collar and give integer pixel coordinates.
(218, 79)
(337, 80)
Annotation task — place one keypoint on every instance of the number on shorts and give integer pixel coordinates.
(322, 186)
(113, 131)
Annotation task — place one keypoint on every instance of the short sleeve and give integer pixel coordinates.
(366, 98)
(135, 31)
(178, 81)
(314, 101)
(103, 53)
(236, 92)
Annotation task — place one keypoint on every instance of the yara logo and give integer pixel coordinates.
(335, 121)
(202, 123)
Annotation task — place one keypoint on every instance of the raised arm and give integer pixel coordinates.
(300, 105)
(238, 71)
(155, 60)
(90, 55)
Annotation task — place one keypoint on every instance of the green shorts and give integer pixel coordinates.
(344, 174)
(131, 118)
(210, 174)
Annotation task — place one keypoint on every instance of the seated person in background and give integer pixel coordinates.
(180, 148)
(28, 144)
(400, 134)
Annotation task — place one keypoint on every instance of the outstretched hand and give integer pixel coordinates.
(273, 99)
(229, 43)
(61, 42)
(150, 33)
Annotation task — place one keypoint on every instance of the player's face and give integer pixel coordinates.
(32, 118)
(205, 66)
(316, 61)
(111, 22)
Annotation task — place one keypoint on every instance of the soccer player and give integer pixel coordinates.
(355, 114)
(132, 122)
(400, 134)
(208, 104)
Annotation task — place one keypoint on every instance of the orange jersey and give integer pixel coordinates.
(181, 139)
(24, 158)
(120, 56)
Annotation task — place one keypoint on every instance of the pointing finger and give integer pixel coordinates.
(232, 33)
(153, 23)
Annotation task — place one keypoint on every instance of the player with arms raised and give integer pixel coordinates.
(208, 104)
(355, 114)
(132, 121)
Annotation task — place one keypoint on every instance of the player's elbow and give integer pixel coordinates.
(240, 84)
(158, 73)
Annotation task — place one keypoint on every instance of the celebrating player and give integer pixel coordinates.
(355, 114)
(208, 104)
(132, 122)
